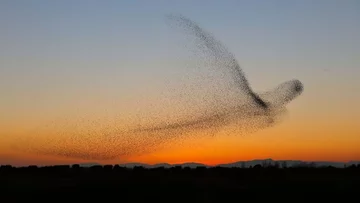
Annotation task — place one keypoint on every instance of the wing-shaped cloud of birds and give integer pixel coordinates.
(233, 102)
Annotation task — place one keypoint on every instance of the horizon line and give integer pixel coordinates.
(182, 163)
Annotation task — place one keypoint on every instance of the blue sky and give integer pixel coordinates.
(273, 40)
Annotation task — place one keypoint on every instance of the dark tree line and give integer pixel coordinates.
(177, 184)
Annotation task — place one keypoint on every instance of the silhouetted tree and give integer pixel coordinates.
(96, 168)
(108, 167)
(139, 168)
(352, 166)
(258, 166)
(312, 165)
(76, 166)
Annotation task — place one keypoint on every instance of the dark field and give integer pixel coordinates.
(177, 184)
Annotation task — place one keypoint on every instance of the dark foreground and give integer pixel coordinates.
(117, 184)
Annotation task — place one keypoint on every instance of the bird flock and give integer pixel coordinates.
(236, 104)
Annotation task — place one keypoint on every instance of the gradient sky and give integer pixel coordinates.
(60, 58)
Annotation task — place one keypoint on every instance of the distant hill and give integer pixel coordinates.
(165, 165)
(132, 165)
(288, 163)
(241, 164)
(88, 164)
(191, 165)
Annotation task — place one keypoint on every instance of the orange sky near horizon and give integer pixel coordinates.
(290, 140)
